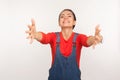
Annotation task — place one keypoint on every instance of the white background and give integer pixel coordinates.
(20, 60)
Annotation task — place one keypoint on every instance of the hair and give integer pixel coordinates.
(72, 14)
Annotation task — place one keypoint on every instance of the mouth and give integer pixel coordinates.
(66, 21)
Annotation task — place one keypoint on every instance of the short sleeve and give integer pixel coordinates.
(47, 38)
(82, 39)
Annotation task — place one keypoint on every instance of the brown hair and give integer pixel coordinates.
(71, 12)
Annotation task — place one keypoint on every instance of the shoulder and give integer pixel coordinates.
(51, 33)
(81, 36)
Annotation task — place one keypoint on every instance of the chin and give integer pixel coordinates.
(66, 27)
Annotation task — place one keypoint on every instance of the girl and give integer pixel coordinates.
(66, 46)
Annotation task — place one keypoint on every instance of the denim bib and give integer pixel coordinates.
(65, 68)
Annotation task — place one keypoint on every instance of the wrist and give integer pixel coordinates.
(91, 40)
(38, 36)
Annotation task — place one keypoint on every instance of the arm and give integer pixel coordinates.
(96, 39)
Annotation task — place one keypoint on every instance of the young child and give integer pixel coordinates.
(66, 46)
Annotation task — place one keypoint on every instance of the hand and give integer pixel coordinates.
(31, 31)
(98, 36)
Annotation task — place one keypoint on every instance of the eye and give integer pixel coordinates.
(69, 16)
(61, 16)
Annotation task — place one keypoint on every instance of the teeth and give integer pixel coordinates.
(66, 22)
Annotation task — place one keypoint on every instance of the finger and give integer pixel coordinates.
(32, 38)
(29, 26)
(99, 39)
(29, 32)
(33, 22)
(31, 41)
(28, 37)
(93, 46)
(97, 30)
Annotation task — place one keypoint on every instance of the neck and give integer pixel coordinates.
(67, 33)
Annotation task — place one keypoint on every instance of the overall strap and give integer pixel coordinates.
(74, 39)
(75, 36)
(58, 37)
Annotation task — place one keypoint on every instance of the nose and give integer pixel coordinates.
(65, 17)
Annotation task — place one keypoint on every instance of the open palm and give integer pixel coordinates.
(31, 31)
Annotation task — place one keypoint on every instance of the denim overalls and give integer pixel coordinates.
(65, 68)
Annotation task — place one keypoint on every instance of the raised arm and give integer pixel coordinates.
(33, 34)
(96, 39)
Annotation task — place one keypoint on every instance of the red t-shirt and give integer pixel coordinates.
(65, 45)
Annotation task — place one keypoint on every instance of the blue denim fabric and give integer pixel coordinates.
(65, 68)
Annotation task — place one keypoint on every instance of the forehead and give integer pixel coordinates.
(66, 12)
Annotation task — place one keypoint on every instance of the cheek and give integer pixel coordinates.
(61, 20)
(72, 20)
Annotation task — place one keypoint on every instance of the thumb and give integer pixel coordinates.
(97, 29)
(33, 22)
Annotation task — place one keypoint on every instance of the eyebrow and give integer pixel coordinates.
(67, 14)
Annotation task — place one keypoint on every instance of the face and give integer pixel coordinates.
(66, 19)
